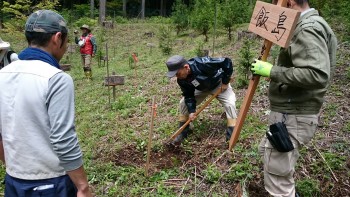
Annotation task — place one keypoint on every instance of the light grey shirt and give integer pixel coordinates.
(37, 121)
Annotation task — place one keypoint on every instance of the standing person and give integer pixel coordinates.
(88, 48)
(7, 55)
(298, 84)
(38, 143)
(199, 77)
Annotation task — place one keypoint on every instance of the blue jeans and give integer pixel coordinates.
(55, 187)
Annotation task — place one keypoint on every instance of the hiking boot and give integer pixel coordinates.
(229, 132)
(88, 73)
(183, 135)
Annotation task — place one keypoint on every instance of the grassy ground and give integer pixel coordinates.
(113, 133)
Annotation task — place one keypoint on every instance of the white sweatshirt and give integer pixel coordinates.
(37, 120)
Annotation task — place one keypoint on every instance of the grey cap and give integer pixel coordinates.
(46, 21)
(174, 63)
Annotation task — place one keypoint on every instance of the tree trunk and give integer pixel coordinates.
(161, 8)
(124, 8)
(102, 14)
(143, 9)
(92, 8)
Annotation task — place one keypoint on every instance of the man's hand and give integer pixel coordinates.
(192, 116)
(75, 31)
(224, 87)
(261, 68)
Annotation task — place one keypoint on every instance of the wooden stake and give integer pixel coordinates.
(248, 99)
(153, 112)
(109, 95)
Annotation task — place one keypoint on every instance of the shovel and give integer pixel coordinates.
(196, 113)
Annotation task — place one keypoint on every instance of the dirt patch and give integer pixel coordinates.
(200, 154)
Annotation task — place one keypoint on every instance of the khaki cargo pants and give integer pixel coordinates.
(226, 98)
(86, 60)
(278, 166)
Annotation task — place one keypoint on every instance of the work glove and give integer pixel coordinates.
(261, 68)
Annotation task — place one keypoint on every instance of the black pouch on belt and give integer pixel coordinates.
(279, 137)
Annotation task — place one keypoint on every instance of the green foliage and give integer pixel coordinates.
(47, 5)
(246, 56)
(82, 10)
(180, 16)
(212, 174)
(240, 171)
(159, 20)
(347, 126)
(19, 11)
(199, 48)
(335, 11)
(334, 161)
(233, 12)
(308, 187)
(202, 16)
(121, 20)
(166, 39)
(85, 20)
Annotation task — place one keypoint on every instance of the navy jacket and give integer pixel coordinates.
(206, 74)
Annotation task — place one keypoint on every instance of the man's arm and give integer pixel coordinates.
(188, 93)
(310, 67)
(94, 45)
(2, 155)
(63, 136)
(79, 179)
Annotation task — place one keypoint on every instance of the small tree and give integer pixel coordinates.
(180, 16)
(233, 12)
(246, 56)
(166, 39)
(202, 16)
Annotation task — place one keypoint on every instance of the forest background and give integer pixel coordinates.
(114, 126)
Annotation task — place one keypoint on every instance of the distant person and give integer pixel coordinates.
(297, 88)
(38, 142)
(199, 77)
(7, 55)
(88, 48)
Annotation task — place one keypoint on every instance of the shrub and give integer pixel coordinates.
(166, 39)
(308, 187)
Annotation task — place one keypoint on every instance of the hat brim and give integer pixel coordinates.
(4, 45)
(171, 74)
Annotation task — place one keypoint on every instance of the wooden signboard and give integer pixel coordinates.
(114, 80)
(273, 22)
(276, 24)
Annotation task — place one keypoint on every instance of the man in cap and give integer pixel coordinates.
(88, 48)
(199, 77)
(7, 55)
(297, 88)
(38, 143)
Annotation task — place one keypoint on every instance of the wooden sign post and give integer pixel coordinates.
(114, 80)
(276, 24)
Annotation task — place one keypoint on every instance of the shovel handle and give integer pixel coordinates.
(196, 113)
